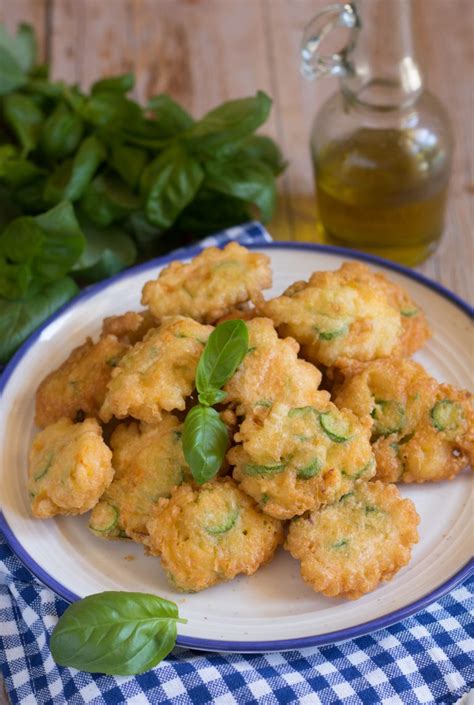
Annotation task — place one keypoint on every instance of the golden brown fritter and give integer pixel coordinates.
(422, 431)
(70, 467)
(157, 373)
(77, 388)
(338, 315)
(347, 548)
(415, 327)
(299, 458)
(270, 372)
(211, 534)
(148, 462)
(209, 286)
(129, 327)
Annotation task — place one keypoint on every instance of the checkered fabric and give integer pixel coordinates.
(428, 658)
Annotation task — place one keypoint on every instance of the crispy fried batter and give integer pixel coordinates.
(157, 373)
(243, 312)
(148, 462)
(70, 467)
(346, 549)
(422, 431)
(299, 458)
(129, 327)
(209, 286)
(415, 328)
(338, 315)
(270, 372)
(77, 388)
(211, 534)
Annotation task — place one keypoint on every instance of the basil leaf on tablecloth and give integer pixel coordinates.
(116, 633)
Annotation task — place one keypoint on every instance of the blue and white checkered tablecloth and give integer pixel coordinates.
(427, 658)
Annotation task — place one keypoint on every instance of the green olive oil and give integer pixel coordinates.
(383, 191)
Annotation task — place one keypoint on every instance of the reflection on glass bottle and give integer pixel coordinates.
(382, 146)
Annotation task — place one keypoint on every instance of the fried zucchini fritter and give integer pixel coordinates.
(157, 373)
(299, 458)
(148, 462)
(70, 467)
(270, 372)
(211, 534)
(129, 327)
(209, 286)
(422, 431)
(77, 388)
(347, 548)
(339, 315)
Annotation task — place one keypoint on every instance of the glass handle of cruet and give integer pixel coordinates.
(313, 62)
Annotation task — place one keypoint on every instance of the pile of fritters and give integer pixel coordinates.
(309, 463)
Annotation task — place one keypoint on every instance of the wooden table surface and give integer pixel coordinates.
(205, 51)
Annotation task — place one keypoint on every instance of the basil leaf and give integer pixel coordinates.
(225, 349)
(30, 197)
(211, 397)
(116, 633)
(115, 84)
(178, 177)
(61, 133)
(21, 47)
(16, 171)
(129, 162)
(20, 318)
(250, 180)
(171, 117)
(222, 127)
(210, 212)
(24, 117)
(63, 244)
(147, 236)
(205, 442)
(263, 149)
(107, 199)
(11, 74)
(108, 110)
(20, 243)
(107, 251)
(70, 179)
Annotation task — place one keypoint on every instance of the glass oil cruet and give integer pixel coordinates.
(382, 145)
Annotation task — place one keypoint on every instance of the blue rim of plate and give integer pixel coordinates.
(247, 646)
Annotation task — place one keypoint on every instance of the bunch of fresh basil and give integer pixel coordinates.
(91, 182)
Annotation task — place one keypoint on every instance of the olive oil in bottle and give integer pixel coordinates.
(383, 191)
(381, 146)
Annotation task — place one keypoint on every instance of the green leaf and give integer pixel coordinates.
(129, 162)
(24, 117)
(116, 633)
(15, 171)
(205, 442)
(210, 212)
(11, 75)
(263, 149)
(171, 117)
(71, 178)
(30, 197)
(227, 124)
(61, 133)
(225, 349)
(64, 242)
(20, 243)
(107, 199)
(109, 110)
(18, 319)
(107, 251)
(211, 397)
(178, 177)
(146, 235)
(21, 47)
(114, 84)
(249, 180)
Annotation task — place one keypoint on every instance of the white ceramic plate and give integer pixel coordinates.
(274, 609)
